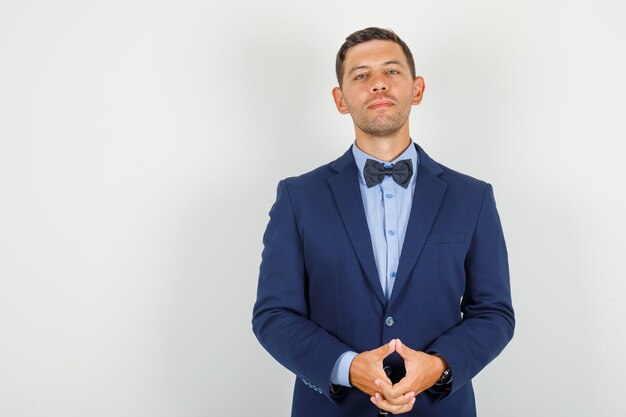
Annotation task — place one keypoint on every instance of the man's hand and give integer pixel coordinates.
(398, 405)
(368, 375)
(367, 367)
(422, 371)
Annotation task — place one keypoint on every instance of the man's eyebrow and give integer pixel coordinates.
(357, 68)
(393, 62)
(396, 62)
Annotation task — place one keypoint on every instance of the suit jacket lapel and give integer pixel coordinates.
(345, 187)
(429, 192)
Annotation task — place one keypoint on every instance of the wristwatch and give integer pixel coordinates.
(446, 377)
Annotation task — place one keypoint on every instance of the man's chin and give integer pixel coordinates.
(381, 133)
(382, 129)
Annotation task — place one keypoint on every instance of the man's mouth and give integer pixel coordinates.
(378, 104)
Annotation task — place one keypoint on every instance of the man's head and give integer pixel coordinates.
(377, 83)
(365, 35)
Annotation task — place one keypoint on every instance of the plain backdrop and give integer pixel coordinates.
(140, 147)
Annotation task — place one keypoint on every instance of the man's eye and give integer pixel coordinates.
(359, 77)
(392, 71)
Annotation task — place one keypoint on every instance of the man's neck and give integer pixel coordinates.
(384, 148)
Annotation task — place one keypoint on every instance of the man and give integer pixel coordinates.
(384, 280)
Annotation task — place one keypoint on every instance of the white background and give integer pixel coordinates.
(140, 147)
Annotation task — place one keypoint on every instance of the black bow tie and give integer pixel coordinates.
(374, 172)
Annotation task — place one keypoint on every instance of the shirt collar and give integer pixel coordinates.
(361, 157)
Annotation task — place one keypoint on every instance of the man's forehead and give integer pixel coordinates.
(374, 52)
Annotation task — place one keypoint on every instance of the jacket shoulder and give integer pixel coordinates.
(459, 179)
(313, 178)
(454, 179)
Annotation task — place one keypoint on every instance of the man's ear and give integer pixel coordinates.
(339, 101)
(418, 90)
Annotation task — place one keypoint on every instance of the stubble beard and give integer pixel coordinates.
(382, 125)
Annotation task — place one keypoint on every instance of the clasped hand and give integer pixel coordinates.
(368, 375)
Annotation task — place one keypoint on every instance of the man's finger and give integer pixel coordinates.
(402, 350)
(384, 404)
(394, 396)
(385, 350)
(406, 407)
(381, 380)
(400, 388)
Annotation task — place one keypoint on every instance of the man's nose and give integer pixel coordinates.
(378, 85)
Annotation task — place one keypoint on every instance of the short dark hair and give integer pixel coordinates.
(370, 34)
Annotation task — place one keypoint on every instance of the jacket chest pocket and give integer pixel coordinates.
(444, 238)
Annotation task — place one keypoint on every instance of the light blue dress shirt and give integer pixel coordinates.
(387, 208)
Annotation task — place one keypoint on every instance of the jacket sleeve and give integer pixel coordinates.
(488, 319)
(280, 316)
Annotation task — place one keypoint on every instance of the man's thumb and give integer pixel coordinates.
(386, 349)
(400, 348)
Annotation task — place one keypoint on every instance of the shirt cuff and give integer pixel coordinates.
(341, 371)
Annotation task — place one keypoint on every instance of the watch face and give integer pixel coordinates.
(445, 377)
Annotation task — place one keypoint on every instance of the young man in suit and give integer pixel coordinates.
(384, 282)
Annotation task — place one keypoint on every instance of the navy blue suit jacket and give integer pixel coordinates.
(319, 294)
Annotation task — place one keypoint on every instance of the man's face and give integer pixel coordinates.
(378, 89)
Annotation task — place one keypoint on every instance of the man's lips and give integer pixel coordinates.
(380, 104)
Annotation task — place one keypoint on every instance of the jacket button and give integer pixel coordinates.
(389, 321)
(387, 370)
